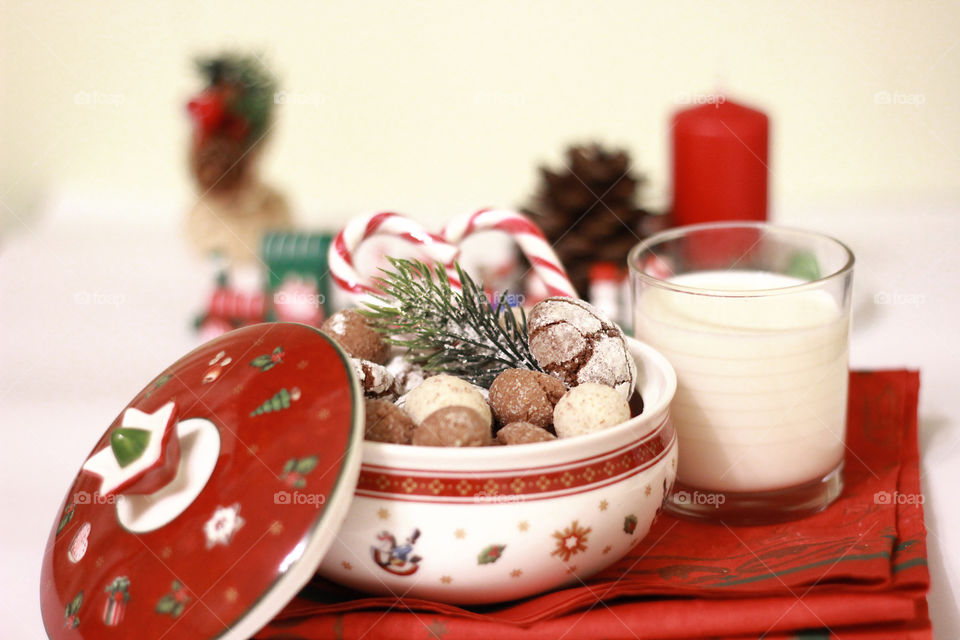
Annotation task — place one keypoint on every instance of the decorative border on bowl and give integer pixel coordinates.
(520, 485)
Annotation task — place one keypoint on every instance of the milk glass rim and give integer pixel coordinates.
(677, 232)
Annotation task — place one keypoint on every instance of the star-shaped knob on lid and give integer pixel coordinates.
(143, 454)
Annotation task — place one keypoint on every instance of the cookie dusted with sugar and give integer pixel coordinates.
(352, 332)
(576, 343)
(453, 426)
(375, 380)
(523, 433)
(386, 422)
(521, 395)
(406, 375)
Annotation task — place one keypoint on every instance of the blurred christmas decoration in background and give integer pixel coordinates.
(589, 209)
(232, 117)
(290, 283)
(264, 270)
(720, 162)
(298, 278)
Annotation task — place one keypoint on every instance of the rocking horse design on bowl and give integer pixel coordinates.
(396, 559)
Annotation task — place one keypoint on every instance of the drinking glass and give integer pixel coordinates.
(755, 318)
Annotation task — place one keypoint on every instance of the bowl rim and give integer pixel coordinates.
(541, 453)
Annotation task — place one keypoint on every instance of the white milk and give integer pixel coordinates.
(762, 381)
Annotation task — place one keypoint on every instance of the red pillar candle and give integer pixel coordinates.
(719, 163)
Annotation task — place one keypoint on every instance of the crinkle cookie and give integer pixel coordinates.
(374, 378)
(576, 343)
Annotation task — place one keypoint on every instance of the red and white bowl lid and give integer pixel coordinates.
(212, 498)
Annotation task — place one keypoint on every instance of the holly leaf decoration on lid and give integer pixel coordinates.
(268, 361)
(70, 613)
(306, 465)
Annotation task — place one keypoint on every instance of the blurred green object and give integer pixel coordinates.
(804, 265)
(245, 83)
(298, 256)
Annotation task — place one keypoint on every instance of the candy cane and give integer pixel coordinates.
(444, 248)
(358, 230)
(528, 237)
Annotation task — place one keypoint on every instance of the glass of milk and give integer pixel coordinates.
(755, 318)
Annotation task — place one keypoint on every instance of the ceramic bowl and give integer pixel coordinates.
(493, 524)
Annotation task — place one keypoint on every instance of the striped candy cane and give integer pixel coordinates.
(345, 245)
(445, 248)
(527, 235)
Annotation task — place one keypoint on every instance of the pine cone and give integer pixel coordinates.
(588, 210)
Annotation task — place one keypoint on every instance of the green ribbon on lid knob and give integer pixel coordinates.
(128, 444)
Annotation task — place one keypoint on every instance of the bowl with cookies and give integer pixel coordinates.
(432, 440)
(508, 450)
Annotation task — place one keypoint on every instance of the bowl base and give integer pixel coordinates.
(757, 507)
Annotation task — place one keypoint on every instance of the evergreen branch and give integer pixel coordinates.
(444, 330)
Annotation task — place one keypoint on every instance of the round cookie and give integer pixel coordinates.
(444, 390)
(406, 374)
(575, 342)
(386, 422)
(358, 339)
(374, 378)
(587, 408)
(523, 433)
(522, 395)
(453, 426)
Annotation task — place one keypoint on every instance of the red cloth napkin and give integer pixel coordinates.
(856, 570)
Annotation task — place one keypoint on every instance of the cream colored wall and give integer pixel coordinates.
(437, 107)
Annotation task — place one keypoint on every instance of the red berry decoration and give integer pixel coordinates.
(207, 110)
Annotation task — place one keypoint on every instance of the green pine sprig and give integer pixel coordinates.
(447, 331)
